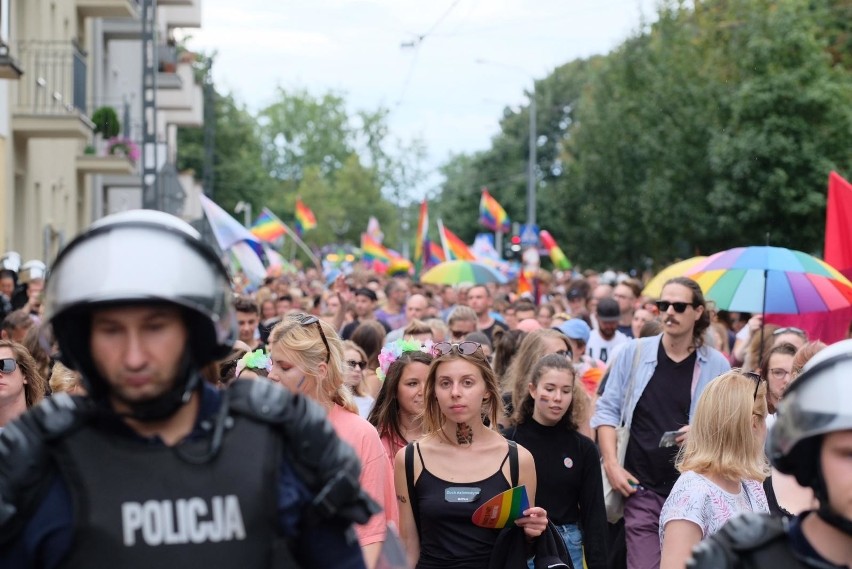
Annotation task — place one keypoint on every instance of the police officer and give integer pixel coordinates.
(812, 440)
(155, 468)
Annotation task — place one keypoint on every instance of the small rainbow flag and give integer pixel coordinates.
(436, 254)
(525, 287)
(267, 226)
(457, 248)
(502, 509)
(560, 261)
(492, 215)
(305, 220)
(421, 239)
(372, 250)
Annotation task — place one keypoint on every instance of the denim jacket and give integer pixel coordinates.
(709, 364)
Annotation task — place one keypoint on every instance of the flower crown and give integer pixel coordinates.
(392, 351)
(257, 359)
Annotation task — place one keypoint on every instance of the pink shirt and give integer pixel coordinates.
(376, 473)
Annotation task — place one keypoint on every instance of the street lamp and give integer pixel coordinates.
(533, 140)
(245, 209)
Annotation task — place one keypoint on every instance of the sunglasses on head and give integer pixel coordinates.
(8, 365)
(679, 307)
(790, 330)
(757, 379)
(353, 364)
(307, 320)
(463, 348)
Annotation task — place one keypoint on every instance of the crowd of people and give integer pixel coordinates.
(156, 411)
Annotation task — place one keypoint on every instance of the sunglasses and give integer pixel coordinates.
(757, 379)
(464, 348)
(679, 307)
(353, 364)
(791, 330)
(307, 320)
(8, 365)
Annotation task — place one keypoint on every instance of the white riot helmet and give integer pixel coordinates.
(140, 256)
(11, 261)
(32, 270)
(817, 403)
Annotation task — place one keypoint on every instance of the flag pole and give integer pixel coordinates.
(443, 239)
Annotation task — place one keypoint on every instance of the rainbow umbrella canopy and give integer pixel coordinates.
(771, 280)
(461, 272)
(654, 288)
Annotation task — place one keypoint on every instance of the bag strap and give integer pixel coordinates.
(514, 463)
(409, 479)
(632, 381)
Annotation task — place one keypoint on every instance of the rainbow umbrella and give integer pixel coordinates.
(461, 272)
(771, 280)
(654, 288)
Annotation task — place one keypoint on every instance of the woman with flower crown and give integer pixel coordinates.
(396, 414)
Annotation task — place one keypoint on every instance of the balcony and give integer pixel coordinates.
(106, 165)
(185, 14)
(109, 8)
(50, 100)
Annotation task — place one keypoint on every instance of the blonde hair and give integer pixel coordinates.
(531, 350)
(65, 380)
(492, 408)
(305, 346)
(721, 440)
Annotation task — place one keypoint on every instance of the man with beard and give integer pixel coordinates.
(667, 373)
(606, 337)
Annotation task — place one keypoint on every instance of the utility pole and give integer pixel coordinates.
(152, 196)
(531, 184)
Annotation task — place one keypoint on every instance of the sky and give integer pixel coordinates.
(446, 69)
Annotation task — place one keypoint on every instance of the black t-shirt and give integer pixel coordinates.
(569, 487)
(490, 330)
(663, 406)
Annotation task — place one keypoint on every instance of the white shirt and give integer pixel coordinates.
(601, 349)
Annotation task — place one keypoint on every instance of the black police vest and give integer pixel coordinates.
(145, 506)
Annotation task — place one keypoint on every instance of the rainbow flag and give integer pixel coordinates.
(421, 240)
(374, 230)
(457, 248)
(436, 254)
(525, 287)
(267, 226)
(305, 220)
(560, 261)
(372, 250)
(492, 215)
(502, 509)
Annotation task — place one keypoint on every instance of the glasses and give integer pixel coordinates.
(8, 365)
(778, 373)
(757, 379)
(791, 330)
(679, 307)
(353, 364)
(307, 320)
(464, 348)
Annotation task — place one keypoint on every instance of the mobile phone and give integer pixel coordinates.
(668, 439)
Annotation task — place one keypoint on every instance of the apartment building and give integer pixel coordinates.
(79, 60)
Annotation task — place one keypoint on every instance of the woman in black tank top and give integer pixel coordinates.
(458, 465)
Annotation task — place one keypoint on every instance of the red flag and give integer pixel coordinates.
(838, 224)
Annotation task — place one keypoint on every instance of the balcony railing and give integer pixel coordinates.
(55, 79)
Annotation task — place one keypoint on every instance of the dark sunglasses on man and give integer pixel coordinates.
(8, 365)
(679, 307)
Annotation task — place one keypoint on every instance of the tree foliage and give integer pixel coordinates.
(709, 129)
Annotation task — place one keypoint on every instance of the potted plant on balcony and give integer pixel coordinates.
(124, 147)
(106, 122)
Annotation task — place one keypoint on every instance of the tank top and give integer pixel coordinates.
(448, 536)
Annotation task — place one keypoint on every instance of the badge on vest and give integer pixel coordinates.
(462, 494)
(190, 520)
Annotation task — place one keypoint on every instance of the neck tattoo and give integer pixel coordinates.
(464, 434)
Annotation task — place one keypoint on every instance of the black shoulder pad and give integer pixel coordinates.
(736, 541)
(325, 463)
(23, 452)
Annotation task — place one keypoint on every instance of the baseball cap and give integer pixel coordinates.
(576, 329)
(575, 294)
(608, 310)
(368, 293)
